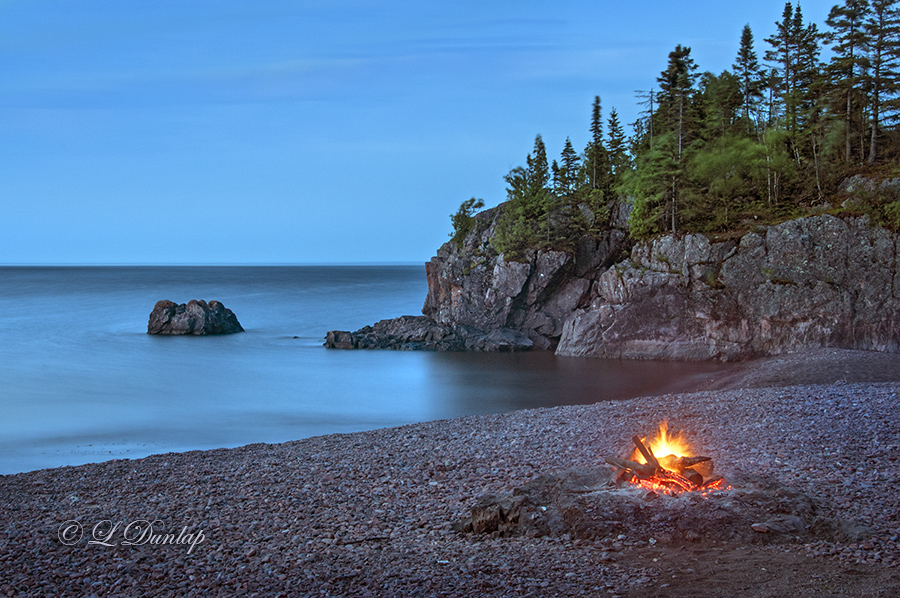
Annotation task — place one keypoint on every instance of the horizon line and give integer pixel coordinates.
(198, 264)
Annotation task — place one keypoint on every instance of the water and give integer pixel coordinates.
(83, 382)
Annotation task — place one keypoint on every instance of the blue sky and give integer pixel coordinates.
(202, 132)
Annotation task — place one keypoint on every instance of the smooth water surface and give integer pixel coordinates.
(83, 382)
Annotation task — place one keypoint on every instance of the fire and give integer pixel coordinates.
(667, 464)
(663, 445)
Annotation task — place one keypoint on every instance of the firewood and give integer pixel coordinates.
(670, 478)
(704, 468)
(695, 478)
(646, 452)
(642, 470)
(710, 480)
(674, 463)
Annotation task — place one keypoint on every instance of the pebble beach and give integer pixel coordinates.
(373, 513)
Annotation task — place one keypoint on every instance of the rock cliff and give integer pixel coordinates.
(819, 281)
(812, 282)
(195, 318)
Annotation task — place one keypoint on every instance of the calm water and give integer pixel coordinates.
(82, 381)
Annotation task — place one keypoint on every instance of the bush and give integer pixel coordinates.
(462, 220)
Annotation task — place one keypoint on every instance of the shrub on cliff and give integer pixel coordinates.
(463, 219)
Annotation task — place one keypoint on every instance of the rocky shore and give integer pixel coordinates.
(809, 283)
(373, 513)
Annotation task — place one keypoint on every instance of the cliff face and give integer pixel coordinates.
(812, 282)
(475, 287)
(819, 281)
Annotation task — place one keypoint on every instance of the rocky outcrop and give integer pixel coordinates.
(479, 301)
(807, 283)
(813, 282)
(194, 317)
(412, 333)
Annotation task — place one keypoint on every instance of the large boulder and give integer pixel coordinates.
(194, 317)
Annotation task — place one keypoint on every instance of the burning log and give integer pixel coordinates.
(674, 463)
(646, 452)
(641, 470)
(672, 471)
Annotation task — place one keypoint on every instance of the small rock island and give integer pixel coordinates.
(195, 317)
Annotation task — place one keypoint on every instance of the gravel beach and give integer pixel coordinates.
(372, 513)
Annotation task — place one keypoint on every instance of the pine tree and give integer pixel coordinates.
(808, 80)
(746, 68)
(847, 38)
(719, 99)
(616, 143)
(882, 38)
(463, 219)
(652, 185)
(568, 171)
(597, 121)
(538, 170)
(782, 56)
(794, 75)
(676, 90)
(595, 153)
(676, 85)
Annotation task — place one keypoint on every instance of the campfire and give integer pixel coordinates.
(677, 471)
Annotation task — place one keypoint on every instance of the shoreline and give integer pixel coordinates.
(371, 513)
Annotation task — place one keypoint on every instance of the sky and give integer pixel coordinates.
(294, 132)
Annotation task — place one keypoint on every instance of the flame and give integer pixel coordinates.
(663, 444)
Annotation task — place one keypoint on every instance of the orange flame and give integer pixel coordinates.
(663, 444)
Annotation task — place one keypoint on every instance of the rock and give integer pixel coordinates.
(194, 317)
(808, 283)
(422, 333)
(474, 286)
(583, 504)
(814, 282)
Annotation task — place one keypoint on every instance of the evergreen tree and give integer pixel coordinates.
(676, 90)
(568, 171)
(555, 177)
(882, 38)
(848, 39)
(794, 75)
(595, 152)
(720, 99)
(782, 56)
(596, 121)
(807, 79)
(746, 69)
(676, 85)
(538, 170)
(463, 219)
(616, 143)
(652, 185)
(793, 56)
